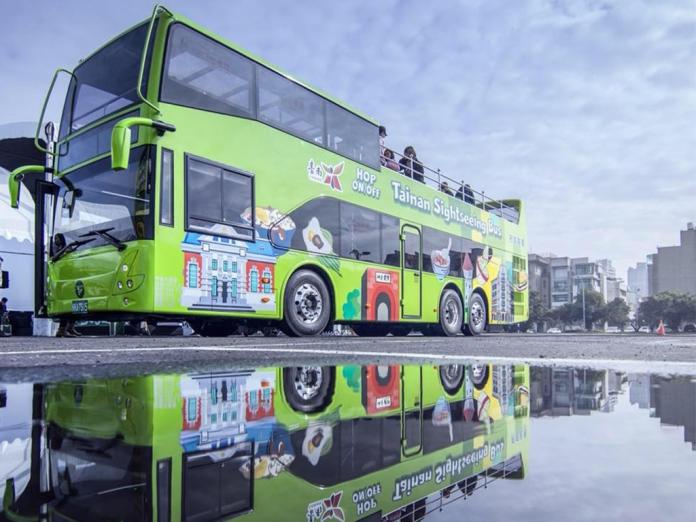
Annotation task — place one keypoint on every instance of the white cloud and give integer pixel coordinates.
(584, 108)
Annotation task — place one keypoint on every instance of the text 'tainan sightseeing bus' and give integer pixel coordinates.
(191, 180)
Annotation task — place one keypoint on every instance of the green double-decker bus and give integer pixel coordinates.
(191, 180)
(305, 443)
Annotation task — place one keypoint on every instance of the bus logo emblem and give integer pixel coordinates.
(79, 289)
(326, 174)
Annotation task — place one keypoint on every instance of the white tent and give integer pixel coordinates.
(17, 246)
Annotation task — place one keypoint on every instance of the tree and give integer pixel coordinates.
(673, 308)
(537, 311)
(616, 312)
(594, 308)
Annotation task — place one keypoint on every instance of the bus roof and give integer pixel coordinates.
(186, 21)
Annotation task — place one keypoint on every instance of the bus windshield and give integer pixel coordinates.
(95, 198)
(116, 473)
(105, 82)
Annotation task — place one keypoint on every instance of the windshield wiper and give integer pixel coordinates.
(104, 234)
(70, 247)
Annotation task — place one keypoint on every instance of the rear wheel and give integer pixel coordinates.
(307, 304)
(308, 388)
(451, 314)
(477, 315)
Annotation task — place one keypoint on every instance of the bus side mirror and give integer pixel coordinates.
(16, 177)
(120, 146)
(121, 138)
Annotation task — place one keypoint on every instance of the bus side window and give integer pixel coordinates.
(204, 74)
(167, 188)
(359, 233)
(217, 199)
(390, 240)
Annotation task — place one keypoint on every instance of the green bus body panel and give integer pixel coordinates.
(152, 412)
(288, 172)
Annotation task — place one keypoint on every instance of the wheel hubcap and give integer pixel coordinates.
(451, 313)
(476, 314)
(308, 303)
(308, 381)
(451, 374)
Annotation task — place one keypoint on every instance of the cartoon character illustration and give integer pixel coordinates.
(441, 260)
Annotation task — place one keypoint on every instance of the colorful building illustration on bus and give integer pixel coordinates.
(220, 409)
(502, 296)
(227, 274)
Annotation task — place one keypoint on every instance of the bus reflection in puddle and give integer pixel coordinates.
(297, 443)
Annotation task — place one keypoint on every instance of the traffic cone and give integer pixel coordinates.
(660, 328)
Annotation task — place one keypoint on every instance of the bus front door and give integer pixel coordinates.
(411, 410)
(411, 271)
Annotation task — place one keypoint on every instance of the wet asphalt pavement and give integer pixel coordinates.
(27, 358)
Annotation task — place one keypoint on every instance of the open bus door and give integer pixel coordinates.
(411, 410)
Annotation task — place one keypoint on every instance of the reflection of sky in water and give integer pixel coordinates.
(621, 465)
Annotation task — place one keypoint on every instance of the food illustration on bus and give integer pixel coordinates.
(316, 239)
(271, 225)
(317, 441)
(441, 260)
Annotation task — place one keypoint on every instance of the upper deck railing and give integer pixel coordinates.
(458, 189)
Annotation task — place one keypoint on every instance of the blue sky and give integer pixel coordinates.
(586, 109)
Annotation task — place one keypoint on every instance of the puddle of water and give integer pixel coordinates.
(394, 442)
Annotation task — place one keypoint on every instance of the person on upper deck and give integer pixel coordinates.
(466, 194)
(382, 135)
(444, 187)
(411, 166)
(389, 161)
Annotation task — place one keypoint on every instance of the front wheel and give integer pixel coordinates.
(451, 314)
(477, 316)
(307, 305)
(308, 389)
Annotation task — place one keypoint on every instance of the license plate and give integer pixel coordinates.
(79, 307)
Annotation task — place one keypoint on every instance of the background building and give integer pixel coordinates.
(638, 286)
(674, 267)
(539, 269)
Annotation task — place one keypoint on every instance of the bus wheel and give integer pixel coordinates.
(451, 314)
(479, 375)
(374, 330)
(451, 377)
(308, 388)
(307, 304)
(477, 315)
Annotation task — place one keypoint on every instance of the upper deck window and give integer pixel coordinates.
(204, 74)
(105, 82)
(351, 136)
(290, 107)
